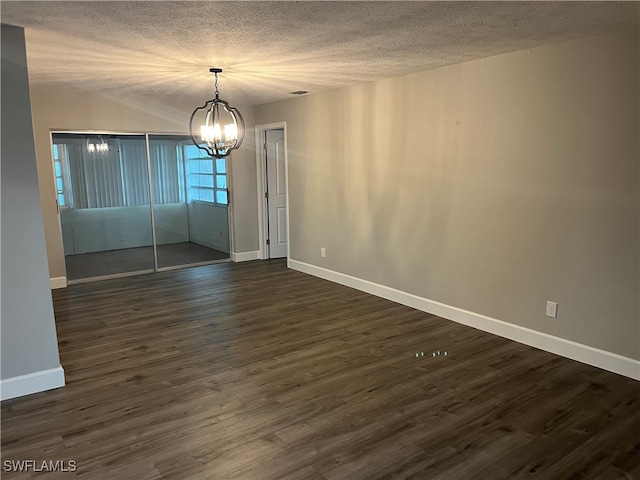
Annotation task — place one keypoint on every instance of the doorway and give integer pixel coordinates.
(272, 191)
(138, 203)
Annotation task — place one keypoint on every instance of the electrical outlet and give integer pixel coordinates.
(323, 252)
(552, 309)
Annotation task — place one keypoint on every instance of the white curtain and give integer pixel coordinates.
(95, 178)
(165, 172)
(135, 175)
(120, 177)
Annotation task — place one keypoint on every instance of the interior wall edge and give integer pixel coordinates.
(35, 382)
(58, 282)
(595, 357)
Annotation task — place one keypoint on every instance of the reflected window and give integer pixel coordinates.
(61, 173)
(207, 177)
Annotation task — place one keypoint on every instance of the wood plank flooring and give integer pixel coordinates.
(252, 371)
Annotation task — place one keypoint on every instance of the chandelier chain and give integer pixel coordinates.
(217, 92)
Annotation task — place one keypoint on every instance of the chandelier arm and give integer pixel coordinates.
(193, 137)
(215, 111)
(240, 122)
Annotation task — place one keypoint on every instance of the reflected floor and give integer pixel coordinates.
(115, 262)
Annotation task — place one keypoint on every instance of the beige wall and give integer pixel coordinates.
(492, 186)
(61, 108)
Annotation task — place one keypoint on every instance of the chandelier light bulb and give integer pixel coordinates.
(206, 133)
(231, 132)
(217, 134)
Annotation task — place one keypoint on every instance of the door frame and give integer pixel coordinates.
(261, 174)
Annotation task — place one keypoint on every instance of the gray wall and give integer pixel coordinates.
(243, 198)
(65, 108)
(29, 341)
(491, 186)
(209, 226)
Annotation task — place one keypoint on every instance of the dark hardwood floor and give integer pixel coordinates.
(253, 371)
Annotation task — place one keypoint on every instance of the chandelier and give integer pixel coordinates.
(221, 126)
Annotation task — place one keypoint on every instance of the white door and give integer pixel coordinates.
(276, 194)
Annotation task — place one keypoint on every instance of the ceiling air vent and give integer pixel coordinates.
(299, 92)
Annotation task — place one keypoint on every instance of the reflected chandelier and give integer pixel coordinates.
(221, 125)
(97, 144)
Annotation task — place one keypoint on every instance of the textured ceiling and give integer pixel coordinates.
(269, 49)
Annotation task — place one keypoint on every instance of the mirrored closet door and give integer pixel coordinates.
(138, 203)
(189, 203)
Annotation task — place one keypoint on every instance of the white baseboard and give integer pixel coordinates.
(560, 346)
(31, 383)
(58, 282)
(245, 256)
